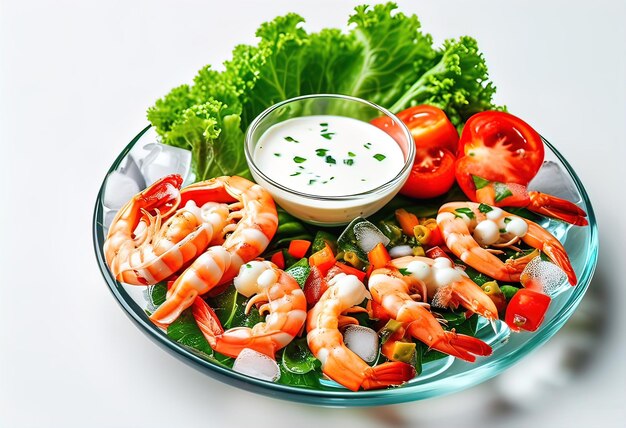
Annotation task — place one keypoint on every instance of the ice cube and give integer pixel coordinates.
(553, 180)
(118, 190)
(257, 365)
(363, 341)
(550, 276)
(163, 160)
(368, 236)
(400, 251)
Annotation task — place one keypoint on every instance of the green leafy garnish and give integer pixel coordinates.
(464, 211)
(298, 159)
(379, 157)
(480, 182)
(484, 208)
(298, 359)
(330, 160)
(321, 152)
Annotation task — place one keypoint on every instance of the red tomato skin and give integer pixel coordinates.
(436, 141)
(314, 286)
(497, 146)
(430, 184)
(526, 310)
(430, 127)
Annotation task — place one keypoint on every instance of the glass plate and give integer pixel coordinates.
(439, 377)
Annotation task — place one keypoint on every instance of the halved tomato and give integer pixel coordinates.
(436, 141)
(432, 174)
(498, 147)
(430, 127)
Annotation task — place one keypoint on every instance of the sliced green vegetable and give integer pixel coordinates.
(300, 271)
(298, 359)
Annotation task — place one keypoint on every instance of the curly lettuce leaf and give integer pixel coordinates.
(213, 133)
(458, 83)
(392, 51)
(383, 57)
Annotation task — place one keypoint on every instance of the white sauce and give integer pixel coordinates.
(328, 155)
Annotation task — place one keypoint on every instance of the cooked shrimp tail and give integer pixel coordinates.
(469, 228)
(326, 341)
(392, 291)
(558, 208)
(541, 239)
(468, 295)
(282, 299)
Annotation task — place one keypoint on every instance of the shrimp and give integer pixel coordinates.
(254, 222)
(446, 285)
(469, 227)
(391, 290)
(140, 250)
(326, 342)
(282, 299)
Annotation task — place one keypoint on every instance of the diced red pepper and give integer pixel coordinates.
(378, 256)
(324, 259)
(436, 251)
(378, 312)
(298, 248)
(349, 270)
(526, 310)
(278, 259)
(436, 238)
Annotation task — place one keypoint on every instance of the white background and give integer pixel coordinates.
(76, 78)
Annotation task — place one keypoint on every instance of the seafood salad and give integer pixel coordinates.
(231, 275)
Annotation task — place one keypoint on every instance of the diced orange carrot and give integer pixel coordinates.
(407, 221)
(324, 259)
(378, 257)
(298, 248)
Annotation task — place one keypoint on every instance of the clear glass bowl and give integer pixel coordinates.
(330, 210)
(440, 377)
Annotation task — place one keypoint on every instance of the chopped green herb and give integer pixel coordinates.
(300, 167)
(379, 157)
(312, 182)
(331, 160)
(298, 159)
(248, 265)
(348, 161)
(366, 146)
(502, 191)
(502, 230)
(321, 152)
(295, 173)
(507, 220)
(324, 125)
(351, 154)
(331, 178)
(466, 211)
(291, 140)
(277, 155)
(484, 208)
(328, 135)
(480, 182)
(404, 271)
